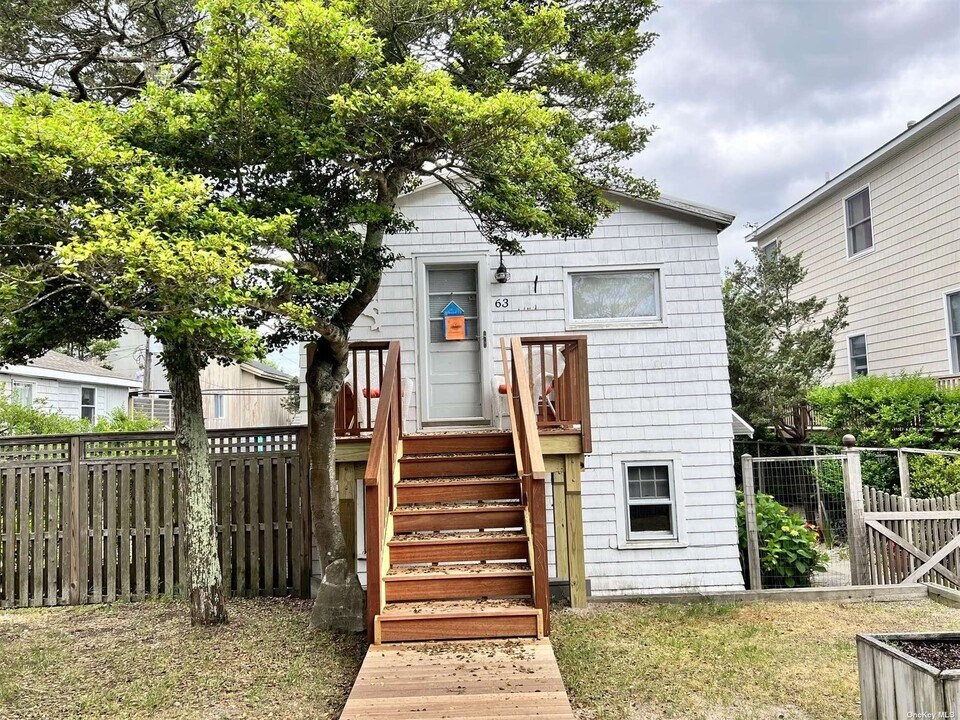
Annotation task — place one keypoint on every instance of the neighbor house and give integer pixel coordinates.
(885, 233)
(241, 395)
(641, 298)
(79, 389)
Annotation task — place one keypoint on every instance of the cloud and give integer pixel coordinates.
(756, 100)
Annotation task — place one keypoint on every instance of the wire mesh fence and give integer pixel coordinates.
(801, 521)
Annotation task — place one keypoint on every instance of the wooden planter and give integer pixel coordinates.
(896, 686)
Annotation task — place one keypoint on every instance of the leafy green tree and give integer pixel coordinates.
(96, 350)
(86, 216)
(96, 50)
(332, 110)
(779, 347)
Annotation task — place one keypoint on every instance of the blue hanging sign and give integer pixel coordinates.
(452, 310)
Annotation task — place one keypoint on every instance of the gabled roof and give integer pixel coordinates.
(722, 218)
(741, 426)
(57, 365)
(935, 120)
(268, 372)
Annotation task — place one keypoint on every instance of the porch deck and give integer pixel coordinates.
(469, 679)
(462, 515)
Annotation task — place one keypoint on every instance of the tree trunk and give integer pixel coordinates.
(204, 578)
(340, 599)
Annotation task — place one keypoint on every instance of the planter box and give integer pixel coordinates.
(897, 686)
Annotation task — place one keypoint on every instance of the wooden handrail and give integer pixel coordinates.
(379, 479)
(530, 467)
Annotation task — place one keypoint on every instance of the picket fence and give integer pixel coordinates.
(97, 517)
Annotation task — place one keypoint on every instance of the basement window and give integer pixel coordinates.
(650, 501)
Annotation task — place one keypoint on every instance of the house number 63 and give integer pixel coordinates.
(502, 303)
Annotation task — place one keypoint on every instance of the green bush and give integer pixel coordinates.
(901, 411)
(788, 547)
(934, 475)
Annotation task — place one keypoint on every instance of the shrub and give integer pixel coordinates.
(788, 547)
(934, 475)
(902, 411)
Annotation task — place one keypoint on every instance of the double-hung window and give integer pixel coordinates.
(651, 511)
(88, 404)
(613, 298)
(953, 326)
(219, 406)
(770, 249)
(21, 393)
(858, 355)
(859, 224)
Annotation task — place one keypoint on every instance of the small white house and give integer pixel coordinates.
(645, 290)
(76, 388)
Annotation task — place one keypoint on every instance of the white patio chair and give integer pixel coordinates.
(544, 378)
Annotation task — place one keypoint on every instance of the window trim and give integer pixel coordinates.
(14, 382)
(678, 539)
(223, 402)
(847, 226)
(573, 323)
(866, 353)
(953, 357)
(93, 407)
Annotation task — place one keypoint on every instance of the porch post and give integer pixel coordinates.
(558, 482)
(575, 549)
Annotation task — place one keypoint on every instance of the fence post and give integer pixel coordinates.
(750, 520)
(73, 535)
(903, 461)
(856, 525)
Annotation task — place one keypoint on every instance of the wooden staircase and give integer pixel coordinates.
(460, 524)
(461, 554)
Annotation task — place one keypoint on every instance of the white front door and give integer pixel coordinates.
(452, 371)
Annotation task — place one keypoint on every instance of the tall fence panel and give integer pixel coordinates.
(796, 521)
(96, 518)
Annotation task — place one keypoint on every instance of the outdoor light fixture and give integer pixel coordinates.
(502, 274)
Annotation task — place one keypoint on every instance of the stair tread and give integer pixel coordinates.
(492, 606)
(451, 537)
(467, 479)
(456, 506)
(413, 457)
(458, 570)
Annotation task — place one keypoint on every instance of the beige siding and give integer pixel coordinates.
(897, 289)
(250, 401)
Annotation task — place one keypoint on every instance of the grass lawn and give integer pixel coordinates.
(767, 661)
(628, 661)
(144, 660)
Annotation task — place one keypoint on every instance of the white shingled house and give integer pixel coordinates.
(79, 389)
(659, 511)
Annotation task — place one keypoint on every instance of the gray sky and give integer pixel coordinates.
(756, 100)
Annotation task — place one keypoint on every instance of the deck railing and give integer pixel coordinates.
(380, 477)
(559, 379)
(358, 400)
(530, 466)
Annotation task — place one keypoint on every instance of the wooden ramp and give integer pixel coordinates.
(474, 680)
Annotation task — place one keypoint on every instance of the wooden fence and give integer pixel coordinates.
(94, 518)
(912, 539)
